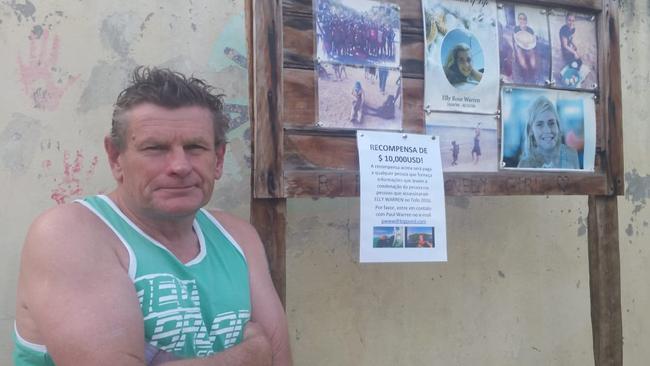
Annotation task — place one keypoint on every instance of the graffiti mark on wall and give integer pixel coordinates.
(236, 57)
(76, 171)
(42, 79)
(18, 142)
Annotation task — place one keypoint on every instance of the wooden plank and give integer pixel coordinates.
(265, 50)
(344, 183)
(304, 152)
(269, 217)
(611, 107)
(300, 101)
(605, 281)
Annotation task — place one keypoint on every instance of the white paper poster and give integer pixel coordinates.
(402, 198)
(461, 56)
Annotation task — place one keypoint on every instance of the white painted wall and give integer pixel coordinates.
(515, 289)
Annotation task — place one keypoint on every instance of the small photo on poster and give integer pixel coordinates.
(420, 237)
(468, 143)
(387, 237)
(359, 32)
(359, 97)
(524, 46)
(548, 129)
(575, 49)
(461, 56)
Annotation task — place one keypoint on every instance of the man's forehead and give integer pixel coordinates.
(154, 112)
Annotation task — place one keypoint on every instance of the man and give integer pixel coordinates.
(144, 275)
(569, 49)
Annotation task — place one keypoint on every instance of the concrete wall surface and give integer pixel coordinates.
(515, 290)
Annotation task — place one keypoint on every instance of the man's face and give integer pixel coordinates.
(522, 21)
(546, 131)
(169, 165)
(464, 63)
(571, 21)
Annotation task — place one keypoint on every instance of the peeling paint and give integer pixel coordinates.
(119, 31)
(637, 187)
(143, 26)
(24, 10)
(18, 142)
(111, 77)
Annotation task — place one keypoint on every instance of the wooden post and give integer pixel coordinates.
(605, 281)
(269, 218)
(268, 207)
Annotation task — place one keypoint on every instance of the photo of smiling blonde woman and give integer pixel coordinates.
(548, 130)
(544, 145)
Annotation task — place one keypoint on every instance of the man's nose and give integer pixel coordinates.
(179, 162)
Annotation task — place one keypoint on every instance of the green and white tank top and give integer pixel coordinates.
(191, 309)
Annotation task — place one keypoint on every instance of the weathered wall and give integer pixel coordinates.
(63, 64)
(515, 289)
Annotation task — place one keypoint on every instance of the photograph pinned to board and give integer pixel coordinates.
(352, 97)
(359, 32)
(575, 49)
(548, 129)
(524, 45)
(420, 237)
(468, 142)
(402, 198)
(461, 56)
(388, 237)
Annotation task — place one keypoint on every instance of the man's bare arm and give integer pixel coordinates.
(78, 293)
(267, 309)
(77, 290)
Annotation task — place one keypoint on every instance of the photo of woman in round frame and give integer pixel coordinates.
(462, 59)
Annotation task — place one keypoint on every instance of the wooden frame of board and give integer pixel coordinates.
(293, 157)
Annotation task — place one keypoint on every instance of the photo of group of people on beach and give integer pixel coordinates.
(358, 56)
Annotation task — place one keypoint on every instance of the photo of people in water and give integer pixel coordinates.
(548, 129)
(524, 45)
(360, 32)
(387, 237)
(420, 237)
(359, 97)
(468, 142)
(461, 56)
(575, 51)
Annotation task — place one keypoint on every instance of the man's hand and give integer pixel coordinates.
(255, 338)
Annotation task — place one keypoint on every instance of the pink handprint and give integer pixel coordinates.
(69, 186)
(42, 80)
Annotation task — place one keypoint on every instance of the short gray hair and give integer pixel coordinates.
(169, 89)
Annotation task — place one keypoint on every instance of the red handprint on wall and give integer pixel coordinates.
(69, 186)
(42, 79)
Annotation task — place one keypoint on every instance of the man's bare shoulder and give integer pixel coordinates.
(241, 230)
(66, 232)
(69, 220)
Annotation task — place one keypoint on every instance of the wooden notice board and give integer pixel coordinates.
(293, 157)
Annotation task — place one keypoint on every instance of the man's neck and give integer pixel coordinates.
(175, 233)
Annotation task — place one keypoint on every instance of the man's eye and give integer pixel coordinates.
(154, 148)
(195, 147)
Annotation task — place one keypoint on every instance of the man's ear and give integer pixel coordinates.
(113, 154)
(220, 151)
